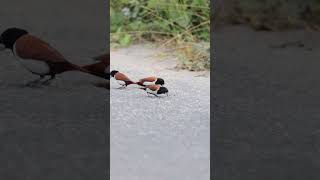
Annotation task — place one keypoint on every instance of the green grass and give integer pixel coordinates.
(172, 23)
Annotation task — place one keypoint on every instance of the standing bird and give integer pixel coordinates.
(155, 90)
(121, 78)
(36, 55)
(151, 81)
(100, 68)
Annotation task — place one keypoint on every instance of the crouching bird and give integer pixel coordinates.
(151, 81)
(155, 90)
(100, 68)
(121, 78)
(36, 55)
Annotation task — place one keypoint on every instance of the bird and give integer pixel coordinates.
(155, 90)
(121, 78)
(100, 68)
(36, 55)
(151, 81)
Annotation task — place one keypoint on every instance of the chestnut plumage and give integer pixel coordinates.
(100, 68)
(151, 81)
(155, 90)
(36, 55)
(121, 78)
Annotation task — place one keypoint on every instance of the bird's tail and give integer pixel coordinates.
(74, 67)
(139, 83)
(130, 82)
(97, 69)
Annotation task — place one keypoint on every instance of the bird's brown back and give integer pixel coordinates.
(30, 47)
(153, 87)
(148, 79)
(122, 77)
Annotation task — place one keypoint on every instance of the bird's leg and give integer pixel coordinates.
(48, 81)
(155, 95)
(34, 82)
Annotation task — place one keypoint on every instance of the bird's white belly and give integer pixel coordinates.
(122, 83)
(150, 91)
(149, 83)
(35, 66)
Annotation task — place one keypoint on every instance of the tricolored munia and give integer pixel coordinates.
(100, 68)
(155, 90)
(36, 55)
(151, 81)
(121, 78)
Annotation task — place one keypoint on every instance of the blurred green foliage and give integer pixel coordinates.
(269, 14)
(175, 23)
(189, 19)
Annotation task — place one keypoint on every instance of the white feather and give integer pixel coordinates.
(122, 83)
(149, 83)
(150, 91)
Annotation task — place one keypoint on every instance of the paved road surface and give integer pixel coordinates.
(266, 103)
(159, 138)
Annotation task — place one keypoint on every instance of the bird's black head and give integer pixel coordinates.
(113, 73)
(162, 90)
(9, 36)
(159, 81)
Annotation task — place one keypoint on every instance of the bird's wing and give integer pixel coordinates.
(148, 79)
(122, 77)
(153, 87)
(30, 47)
(98, 67)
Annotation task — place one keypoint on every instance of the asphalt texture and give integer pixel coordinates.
(266, 105)
(59, 131)
(159, 138)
